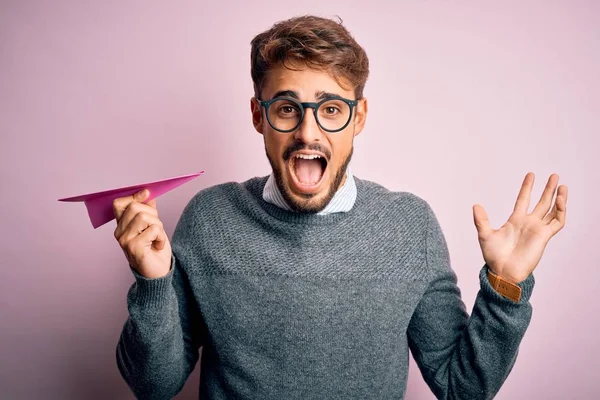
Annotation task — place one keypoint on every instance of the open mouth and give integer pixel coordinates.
(307, 170)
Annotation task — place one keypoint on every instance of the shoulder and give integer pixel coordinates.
(214, 209)
(402, 203)
(223, 198)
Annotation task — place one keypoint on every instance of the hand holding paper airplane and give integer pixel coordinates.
(141, 235)
(139, 231)
(99, 204)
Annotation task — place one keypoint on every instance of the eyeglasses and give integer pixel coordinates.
(285, 114)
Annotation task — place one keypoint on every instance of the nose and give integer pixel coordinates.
(309, 130)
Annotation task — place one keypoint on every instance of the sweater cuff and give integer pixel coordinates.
(151, 292)
(491, 294)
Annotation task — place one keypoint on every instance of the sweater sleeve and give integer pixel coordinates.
(462, 357)
(159, 344)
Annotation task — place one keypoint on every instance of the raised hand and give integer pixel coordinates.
(514, 250)
(141, 235)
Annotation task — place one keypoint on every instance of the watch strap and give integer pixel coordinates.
(504, 287)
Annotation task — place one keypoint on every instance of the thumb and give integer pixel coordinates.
(141, 195)
(482, 223)
(120, 204)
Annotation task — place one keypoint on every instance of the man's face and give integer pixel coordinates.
(307, 183)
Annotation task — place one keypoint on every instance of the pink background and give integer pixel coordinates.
(465, 97)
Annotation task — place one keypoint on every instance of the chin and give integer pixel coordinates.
(307, 179)
(307, 202)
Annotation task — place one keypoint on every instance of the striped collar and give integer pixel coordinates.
(342, 201)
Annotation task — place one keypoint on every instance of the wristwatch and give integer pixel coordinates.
(504, 287)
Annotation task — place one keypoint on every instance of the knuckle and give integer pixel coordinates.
(149, 209)
(125, 214)
(134, 207)
(149, 219)
(137, 217)
(122, 242)
(152, 228)
(142, 218)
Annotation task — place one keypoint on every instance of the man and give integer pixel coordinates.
(312, 283)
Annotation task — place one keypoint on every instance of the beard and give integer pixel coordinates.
(308, 205)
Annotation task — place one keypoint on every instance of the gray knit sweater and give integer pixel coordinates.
(303, 306)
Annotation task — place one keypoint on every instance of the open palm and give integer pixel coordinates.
(514, 250)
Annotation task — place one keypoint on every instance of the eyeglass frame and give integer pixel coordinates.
(303, 106)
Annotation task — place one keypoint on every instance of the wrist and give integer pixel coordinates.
(505, 287)
(508, 277)
(491, 292)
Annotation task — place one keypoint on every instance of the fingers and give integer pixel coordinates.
(558, 217)
(524, 197)
(136, 247)
(552, 214)
(132, 211)
(154, 235)
(543, 206)
(138, 225)
(120, 204)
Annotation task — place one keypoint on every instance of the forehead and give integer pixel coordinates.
(305, 81)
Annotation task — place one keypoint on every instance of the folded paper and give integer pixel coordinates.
(99, 204)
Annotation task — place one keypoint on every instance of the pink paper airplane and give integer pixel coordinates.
(99, 204)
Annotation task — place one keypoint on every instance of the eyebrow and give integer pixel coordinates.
(293, 94)
(325, 95)
(286, 93)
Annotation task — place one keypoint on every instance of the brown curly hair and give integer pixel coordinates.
(315, 42)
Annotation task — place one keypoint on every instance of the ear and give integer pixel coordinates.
(257, 115)
(360, 115)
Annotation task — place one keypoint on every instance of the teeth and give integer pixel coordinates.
(308, 156)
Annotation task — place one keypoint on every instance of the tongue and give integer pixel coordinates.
(308, 172)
